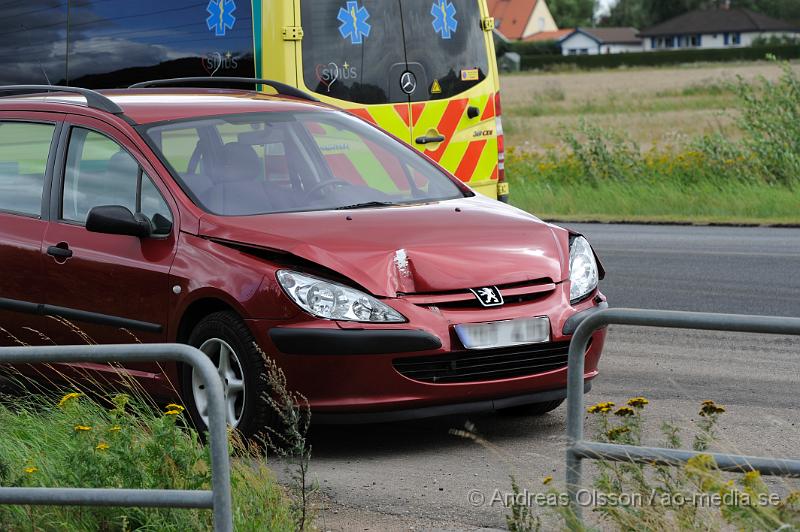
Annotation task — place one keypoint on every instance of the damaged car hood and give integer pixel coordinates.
(446, 246)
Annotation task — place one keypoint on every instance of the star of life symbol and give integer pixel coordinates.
(354, 22)
(444, 18)
(221, 16)
(489, 296)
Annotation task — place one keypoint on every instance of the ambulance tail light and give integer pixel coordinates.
(502, 186)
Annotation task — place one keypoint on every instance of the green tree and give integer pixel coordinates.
(644, 13)
(573, 13)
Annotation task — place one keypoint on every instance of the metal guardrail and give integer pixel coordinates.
(218, 499)
(578, 449)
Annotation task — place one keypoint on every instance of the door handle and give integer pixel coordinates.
(61, 251)
(430, 140)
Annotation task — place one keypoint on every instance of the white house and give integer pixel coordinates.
(594, 41)
(715, 28)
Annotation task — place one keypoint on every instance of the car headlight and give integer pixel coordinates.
(582, 269)
(334, 301)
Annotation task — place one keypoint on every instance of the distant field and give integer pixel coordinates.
(656, 144)
(652, 105)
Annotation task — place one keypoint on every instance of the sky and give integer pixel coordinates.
(604, 6)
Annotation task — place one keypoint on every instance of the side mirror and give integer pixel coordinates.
(117, 220)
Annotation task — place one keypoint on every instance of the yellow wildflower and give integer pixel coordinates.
(547, 480)
(173, 406)
(172, 413)
(638, 402)
(615, 433)
(30, 470)
(67, 398)
(115, 428)
(751, 479)
(82, 428)
(601, 408)
(625, 411)
(120, 400)
(710, 408)
(102, 446)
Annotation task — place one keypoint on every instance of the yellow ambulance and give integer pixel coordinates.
(424, 70)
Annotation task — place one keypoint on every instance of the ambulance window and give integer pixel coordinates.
(446, 46)
(114, 43)
(34, 42)
(353, 50)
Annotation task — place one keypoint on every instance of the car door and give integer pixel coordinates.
(27, 150)
(107, 288)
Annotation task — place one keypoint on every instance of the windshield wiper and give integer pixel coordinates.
(365, 205)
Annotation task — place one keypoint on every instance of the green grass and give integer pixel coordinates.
(599, 174)
(662, 202)
(80, 443)
(552, 101)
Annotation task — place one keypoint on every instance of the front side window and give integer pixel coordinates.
(266, 163)
(100, 172)
(24, 149)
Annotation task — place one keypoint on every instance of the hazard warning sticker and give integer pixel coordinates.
(436, 88)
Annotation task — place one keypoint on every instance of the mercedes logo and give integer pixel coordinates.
(408, 82)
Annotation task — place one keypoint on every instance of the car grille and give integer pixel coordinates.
(523, 292)
(485, 365)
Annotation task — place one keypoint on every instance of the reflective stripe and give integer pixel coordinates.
(470, 148)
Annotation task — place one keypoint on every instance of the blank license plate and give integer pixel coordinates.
(504, 333)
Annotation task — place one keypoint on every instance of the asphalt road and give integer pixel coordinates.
(418, 476)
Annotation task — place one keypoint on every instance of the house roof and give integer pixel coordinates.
(718, 21)
(512, 16)
(549, 35)
(610, 35)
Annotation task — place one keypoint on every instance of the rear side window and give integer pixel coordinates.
(100, 172)
(353, 50)
(114, 43)
(24, 149)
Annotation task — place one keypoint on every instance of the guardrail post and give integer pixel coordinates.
(575, 390)
(218, 499)
(579, 449)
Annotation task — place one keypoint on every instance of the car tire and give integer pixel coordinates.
(535, 409)
(225, 335)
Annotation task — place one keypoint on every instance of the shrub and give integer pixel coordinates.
(695, 496)
(768, 154)
(77, 442)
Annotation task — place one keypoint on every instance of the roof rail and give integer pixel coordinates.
(282, 88)
(94, 99)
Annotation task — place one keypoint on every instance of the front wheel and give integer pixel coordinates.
(230, 345)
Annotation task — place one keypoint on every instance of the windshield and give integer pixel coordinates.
(289, 162)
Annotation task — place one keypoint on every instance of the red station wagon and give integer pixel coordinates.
(241, 222)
